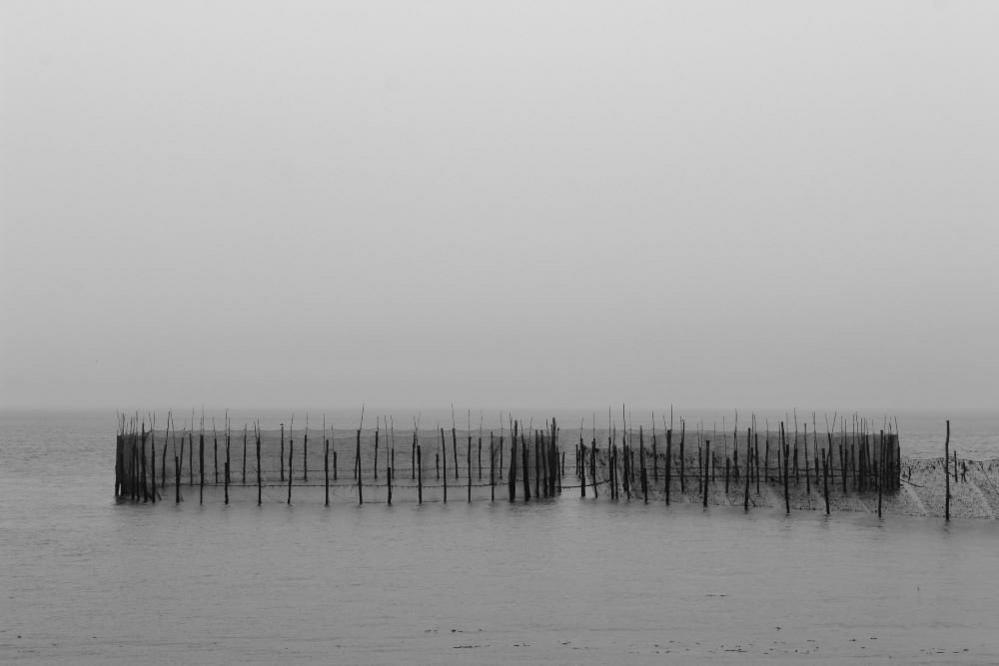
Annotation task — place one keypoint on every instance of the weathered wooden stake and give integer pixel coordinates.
(728, 463)
(808, 482)
(444, 462)
(947, 474)
(784, 446)
(226, 472)
(756, 459)
(176, 486)
(152, 460)
(669, 461)
(825, 479)
(593, 467)
(190, 454)
(749, 438)
(511, 477)
(525, 469)
(707, 469)
(291, 453)
(419, 474)
(357, 469)
(683, 464)
(201, 459)
(326, 466)
(259, 477)
(244, 455)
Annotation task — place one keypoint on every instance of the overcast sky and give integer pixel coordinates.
(499, 204)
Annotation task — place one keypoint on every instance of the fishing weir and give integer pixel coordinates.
(850, 468)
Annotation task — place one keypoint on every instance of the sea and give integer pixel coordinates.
(88, 580)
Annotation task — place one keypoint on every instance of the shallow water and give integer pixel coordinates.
(576, 581)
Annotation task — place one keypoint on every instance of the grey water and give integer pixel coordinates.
(87, 580)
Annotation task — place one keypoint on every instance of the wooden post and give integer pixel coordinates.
(305, 452)
(388, 481)
(756, 459)
(119, 464)
(468, 467)
(537, 467)
(525, 469)
(326, 465)
(766, 454)
(480, 457)
(797, 477)
(669, 461)
(512, 476)
(707, 469)
(783, 445)
(683, 465)
(454, 448)
(947, 474)
(190, 454)
(593, 466)
(201, 459)
(581, 464)
(291, 453)
(375, 464)
(808, 483)
(215, 443)
(655, 453)
(492, 469)
(152, 460)
(176, 484)
(412, 455)
(281, 456)
(728, 462)
(444, 462)
(881, 469)
(259, 478)
(419, 474)
(643, 471)
(825, 478)
(842, 464)
(226, 470)
(244, 454)
(164, 465)
(357, 469)
(749, 437)
(700, 467)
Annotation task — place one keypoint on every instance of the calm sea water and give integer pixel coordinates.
(85, 580)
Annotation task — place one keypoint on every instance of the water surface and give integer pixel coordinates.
(86, 580)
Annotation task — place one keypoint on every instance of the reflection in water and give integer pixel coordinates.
(569, 580)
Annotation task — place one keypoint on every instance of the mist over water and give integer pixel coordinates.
(87, 580)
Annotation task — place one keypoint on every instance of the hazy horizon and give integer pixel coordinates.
(499, 204)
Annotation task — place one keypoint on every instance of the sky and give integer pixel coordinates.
(499, 204)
